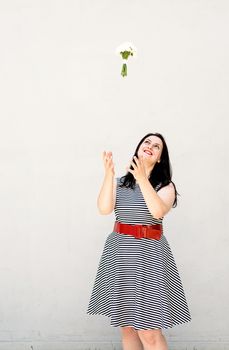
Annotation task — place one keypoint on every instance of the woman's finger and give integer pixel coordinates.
(110, 161)
(133, 165)
(107, 154)
(136, 159)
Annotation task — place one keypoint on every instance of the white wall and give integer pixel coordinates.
(63, 101)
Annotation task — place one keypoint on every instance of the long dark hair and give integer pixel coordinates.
(161, 173)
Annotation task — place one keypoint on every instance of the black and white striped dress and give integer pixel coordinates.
(137, 282)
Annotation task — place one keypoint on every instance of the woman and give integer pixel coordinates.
(137, 282)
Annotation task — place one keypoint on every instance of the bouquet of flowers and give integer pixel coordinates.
(125, 50)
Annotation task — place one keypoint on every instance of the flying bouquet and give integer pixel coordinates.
(125, 50)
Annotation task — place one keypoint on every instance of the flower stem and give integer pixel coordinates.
(124, 70)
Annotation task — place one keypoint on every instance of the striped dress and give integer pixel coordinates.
(137, 282)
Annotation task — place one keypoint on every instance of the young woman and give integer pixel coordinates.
(137, 283)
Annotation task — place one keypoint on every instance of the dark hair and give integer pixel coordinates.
(161, 173)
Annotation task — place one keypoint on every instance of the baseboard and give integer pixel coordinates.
(30, 345)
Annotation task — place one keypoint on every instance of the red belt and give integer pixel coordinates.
(139, 231)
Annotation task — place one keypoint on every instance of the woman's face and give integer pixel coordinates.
(151, 149)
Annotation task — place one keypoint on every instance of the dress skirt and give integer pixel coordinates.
(138, 284)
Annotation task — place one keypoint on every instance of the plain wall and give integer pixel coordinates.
(64, 101)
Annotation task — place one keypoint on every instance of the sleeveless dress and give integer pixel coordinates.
(137, 282)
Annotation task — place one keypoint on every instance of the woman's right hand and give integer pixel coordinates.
(108, 163)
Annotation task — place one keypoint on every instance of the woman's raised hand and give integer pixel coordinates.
(108, 163)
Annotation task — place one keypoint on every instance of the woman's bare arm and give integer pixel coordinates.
(106, 198)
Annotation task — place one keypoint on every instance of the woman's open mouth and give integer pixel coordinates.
(148, 152)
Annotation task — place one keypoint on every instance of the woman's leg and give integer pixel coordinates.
(130, 339)
(152, 339)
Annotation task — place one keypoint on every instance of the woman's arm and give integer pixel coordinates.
(106, 198)
(158, 203)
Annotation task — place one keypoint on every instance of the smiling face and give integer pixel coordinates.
(151, 149)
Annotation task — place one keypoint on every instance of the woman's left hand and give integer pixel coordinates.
(139, 171)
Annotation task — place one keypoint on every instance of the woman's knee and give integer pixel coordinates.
(150, 336)
(127, 330)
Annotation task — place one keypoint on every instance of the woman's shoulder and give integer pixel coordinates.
(117, 179)
(167, 189)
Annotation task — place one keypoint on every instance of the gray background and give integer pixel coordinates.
(63, 101)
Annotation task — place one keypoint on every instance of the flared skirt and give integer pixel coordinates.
(137, 284)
